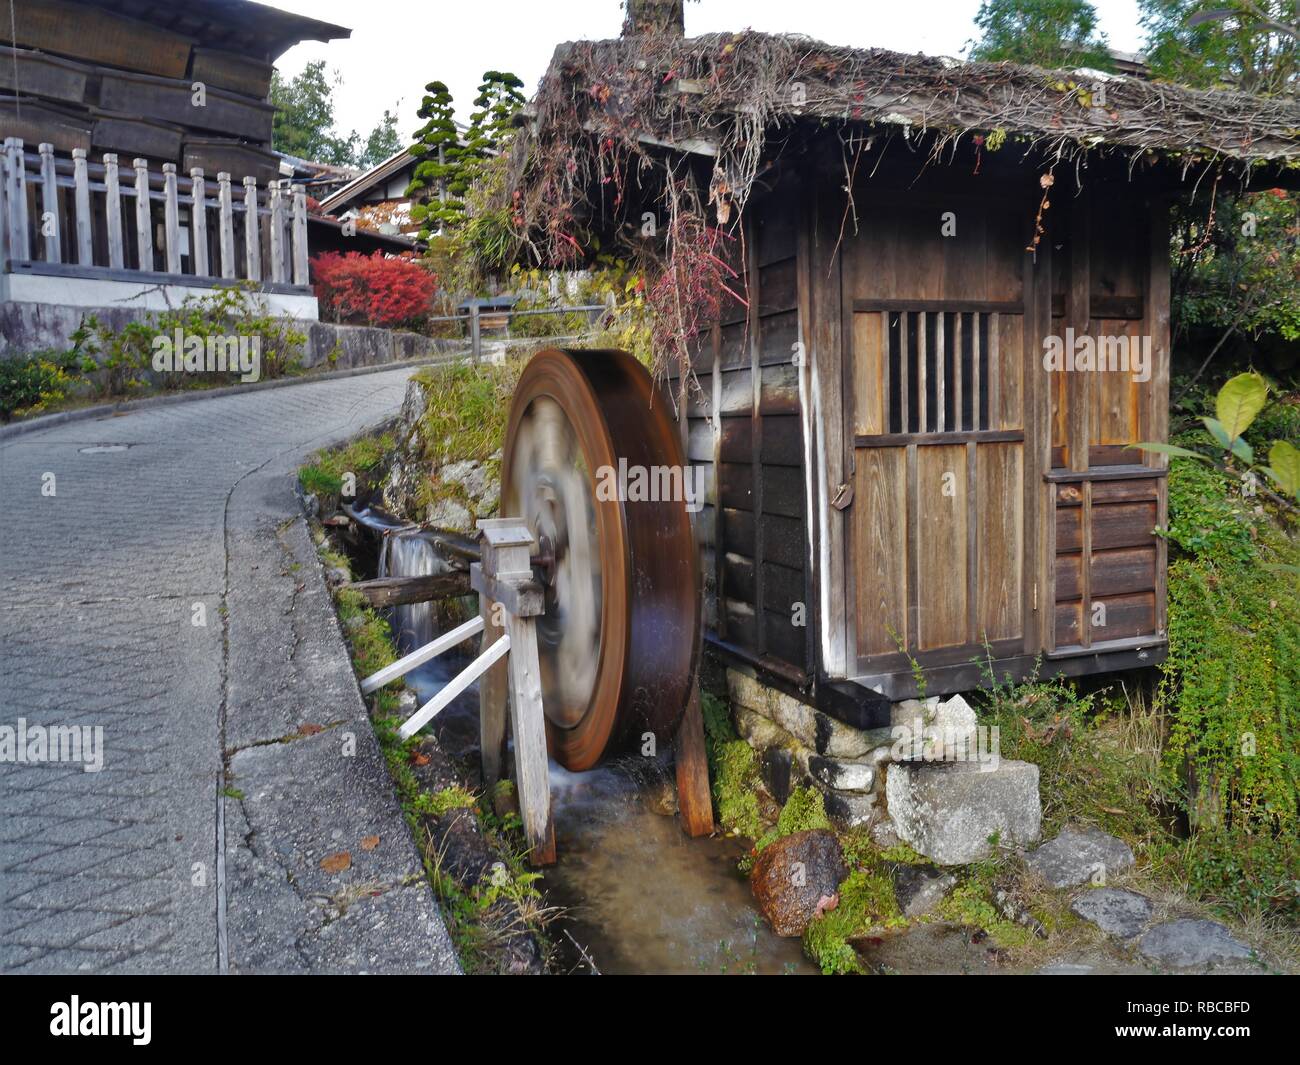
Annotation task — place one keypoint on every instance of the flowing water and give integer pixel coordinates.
(638, 895)
(410, 556)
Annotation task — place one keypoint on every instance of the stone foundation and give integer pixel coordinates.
(928, 780)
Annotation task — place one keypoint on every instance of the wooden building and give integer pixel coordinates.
(121, 76)
(377, 199)
(137, 165)
(913, 467)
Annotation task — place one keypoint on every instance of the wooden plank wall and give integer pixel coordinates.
(1107, 498)
(104, 82)
(752, 529)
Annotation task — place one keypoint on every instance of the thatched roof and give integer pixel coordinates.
(729, 95)
(700, 82)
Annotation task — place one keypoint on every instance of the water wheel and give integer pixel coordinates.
(618, 640)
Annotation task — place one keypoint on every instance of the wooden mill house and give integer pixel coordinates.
(137, 162)
(918, 418)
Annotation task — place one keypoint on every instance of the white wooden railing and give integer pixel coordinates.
(67, 217)
(503, 577)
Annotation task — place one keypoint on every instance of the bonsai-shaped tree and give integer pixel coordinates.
(499, 98)
(441, 177)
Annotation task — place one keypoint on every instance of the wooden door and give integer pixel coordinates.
(939, 461)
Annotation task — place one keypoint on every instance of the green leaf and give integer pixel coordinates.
(1243, 450)
(1173, 449)
(1239, 401)
(1216, 430)
(1284, 460)
(1279, 567)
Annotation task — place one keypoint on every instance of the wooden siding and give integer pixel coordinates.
(96, 80)
(744, 425)
(1106, 497)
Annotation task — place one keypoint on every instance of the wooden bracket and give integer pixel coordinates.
(694, 800)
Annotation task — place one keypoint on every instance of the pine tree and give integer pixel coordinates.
(441, 178)
(499, 98)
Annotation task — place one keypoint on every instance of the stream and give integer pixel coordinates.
(637, 895)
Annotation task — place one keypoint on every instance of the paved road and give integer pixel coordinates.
(167, 591)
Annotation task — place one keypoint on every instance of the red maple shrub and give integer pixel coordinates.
(373, 289)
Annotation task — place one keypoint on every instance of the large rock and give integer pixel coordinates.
(1188, 943)
(1116, 912)
(795, 876)
(952, 812)
(1078, 856)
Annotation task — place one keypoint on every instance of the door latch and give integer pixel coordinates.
(843, 496)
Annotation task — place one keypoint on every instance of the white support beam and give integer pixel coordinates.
(424, 654)
(458, 684)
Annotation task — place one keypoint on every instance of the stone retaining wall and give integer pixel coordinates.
(29, 327)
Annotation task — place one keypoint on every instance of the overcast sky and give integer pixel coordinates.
(397, 46)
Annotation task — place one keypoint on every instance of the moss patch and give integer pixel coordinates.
(733, 771)
(803, 811)
(867, 906)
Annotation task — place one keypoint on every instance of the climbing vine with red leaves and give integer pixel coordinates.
(692, 287)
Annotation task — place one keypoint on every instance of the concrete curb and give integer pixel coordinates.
(107, 410)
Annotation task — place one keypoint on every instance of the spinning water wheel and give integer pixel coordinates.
(618, 638)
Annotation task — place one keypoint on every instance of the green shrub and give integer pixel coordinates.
(1244, 873)
(123, 358)
(1087, 773)
(1233, 671)
(31, 383)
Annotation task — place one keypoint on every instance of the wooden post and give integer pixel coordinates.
(300, 270)
(492, 698)
(505, 575)
(1155, 422)
(252, 231)
(277, 233)
(198, 222)
(50, 205)
(694, 799)
(1078, 315)
(113, 213)
(171, 219)
(4, 210)
(16, 194)
(475, 332)
(226, 223)
(143, 223)
(81, 183)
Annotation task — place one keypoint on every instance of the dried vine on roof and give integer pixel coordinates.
(609, 111)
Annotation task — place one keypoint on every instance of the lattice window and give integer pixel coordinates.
(938, 371)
